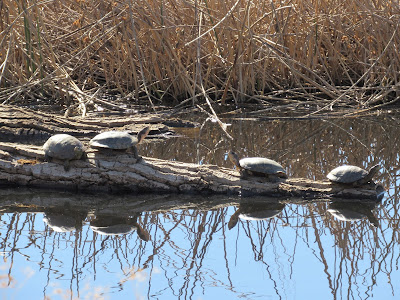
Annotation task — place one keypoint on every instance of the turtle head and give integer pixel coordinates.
(142, 134)
(234, 158)
(370, 174)
(78, 151)
(373, 171)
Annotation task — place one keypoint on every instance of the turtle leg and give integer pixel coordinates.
(84, 156)
(67, 166)
(108, 152)
(244, 174)
(78, 152)
(273, 178)
(281, 174)
(270, 177)
(136, 154)
(47, 158)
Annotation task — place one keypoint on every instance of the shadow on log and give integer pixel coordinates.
(23, 165)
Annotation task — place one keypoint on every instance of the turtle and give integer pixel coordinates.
(64, 147)
(119, 140)
(352, 175)
(258, 166)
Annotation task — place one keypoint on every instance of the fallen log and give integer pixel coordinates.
(25, 125)
(23, 165)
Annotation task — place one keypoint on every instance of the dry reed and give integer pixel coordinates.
(335, 52)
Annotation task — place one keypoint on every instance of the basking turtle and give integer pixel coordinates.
(257, 166)
(64, 147)
(119, 140)
(352, 175)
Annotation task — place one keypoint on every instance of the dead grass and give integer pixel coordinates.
(329, 52)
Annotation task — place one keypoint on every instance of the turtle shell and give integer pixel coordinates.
(117, 140)
(352, 211)
(261, 165)
(264, 211)
(64, 147)
(111, 225)
(346, 215)
(60, 223)
(347, 174)
(113, 229)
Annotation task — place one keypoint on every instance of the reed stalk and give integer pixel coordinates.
(241, 50)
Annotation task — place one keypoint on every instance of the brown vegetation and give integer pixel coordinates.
(329, 52)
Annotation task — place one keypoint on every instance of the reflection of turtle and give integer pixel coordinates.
(112, 225)
(119, 140)
(352, 175)
(353, 211)
(63, 147)
(64, 222)
(257, 166)
(255, 212)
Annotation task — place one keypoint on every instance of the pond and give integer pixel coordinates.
(58, 245)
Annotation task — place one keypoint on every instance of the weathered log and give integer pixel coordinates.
(23, 165)
(22, 124)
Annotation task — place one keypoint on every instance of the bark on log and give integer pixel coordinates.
(23, 165)
(22, 124)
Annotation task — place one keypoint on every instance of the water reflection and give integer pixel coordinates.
(93, 241)
(63, 221)
(105, 224)
(350, 211)
(255, 212)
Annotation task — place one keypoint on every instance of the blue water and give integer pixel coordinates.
(303, 252)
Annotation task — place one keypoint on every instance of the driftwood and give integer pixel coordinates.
(22, 124)
(24, 165)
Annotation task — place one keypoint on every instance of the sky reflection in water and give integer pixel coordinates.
(299, 251)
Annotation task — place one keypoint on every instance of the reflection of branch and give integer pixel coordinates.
(181, 240)
(224, 238)
(199, 252)
(352, 244)
(321, 248)
(259, 255)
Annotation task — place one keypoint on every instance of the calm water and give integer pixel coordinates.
(61, 246)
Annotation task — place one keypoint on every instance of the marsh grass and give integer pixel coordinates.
(327, 53)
